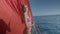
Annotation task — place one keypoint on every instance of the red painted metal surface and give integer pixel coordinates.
(10, 15)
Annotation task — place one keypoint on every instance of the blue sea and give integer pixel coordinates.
(49, 24)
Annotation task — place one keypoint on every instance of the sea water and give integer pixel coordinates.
(49, 24)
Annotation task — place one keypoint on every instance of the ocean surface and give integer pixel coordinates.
(49, 24)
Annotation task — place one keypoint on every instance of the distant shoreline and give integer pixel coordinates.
(48, 15)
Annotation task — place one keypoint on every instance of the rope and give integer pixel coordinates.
(36, 30)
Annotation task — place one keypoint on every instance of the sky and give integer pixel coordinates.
(45, 7)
